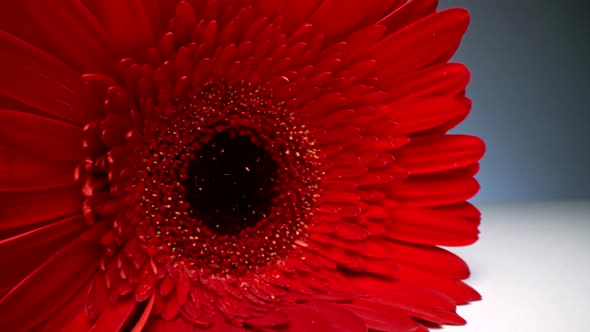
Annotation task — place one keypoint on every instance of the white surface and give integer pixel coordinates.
(532, 267)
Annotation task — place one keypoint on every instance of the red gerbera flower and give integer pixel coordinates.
(233, 165)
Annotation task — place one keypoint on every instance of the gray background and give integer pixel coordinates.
(530, 62)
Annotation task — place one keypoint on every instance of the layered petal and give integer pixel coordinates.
(440, 154)
(23, 210)
(128, 24)
(432, 227)
(77, 38)
(420, 43)
(31, 136)
(50, 286)
(37, 79)
(38, 245)
(337, 18)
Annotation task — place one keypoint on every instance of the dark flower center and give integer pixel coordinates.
(226, 180)
(231, 182)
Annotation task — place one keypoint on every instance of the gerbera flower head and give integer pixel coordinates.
(233, 165)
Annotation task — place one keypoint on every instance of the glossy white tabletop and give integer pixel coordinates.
(532, 267)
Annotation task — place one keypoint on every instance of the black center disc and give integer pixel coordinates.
(231, 182)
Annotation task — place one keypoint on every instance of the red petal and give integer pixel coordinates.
(177, 325)
(420, 43)
(447, 79)
(440, 153)
(20, 174)
(336, 18)
(358, 43)
(374, 248)
(303, 319)
(37, 79)
(70, 317)
(431, 227)
(37, 246)
(159, 13)
(128, 25)
(183, 288)
(462, 210)
(25, 135)
(48, 287)
(171, 307)
(98, 297)
(167, 285)
(421, 312)
(270, 319)
(430, 259)
(403, 292)
(457, 290)
(426, 113)
(23, 209)
(76, 38)
(297, 11)
(269, 8)
(186, 12)
(381, 9)
(340, 197)
(381, 317)
(432, 190)
(141, 323)
(407, 14)
(116, 315)
(350, 231)
(342, 320)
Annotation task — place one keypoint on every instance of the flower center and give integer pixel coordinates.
(231, 182)
(226, 179)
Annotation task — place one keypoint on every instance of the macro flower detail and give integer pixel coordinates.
(233, 165)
